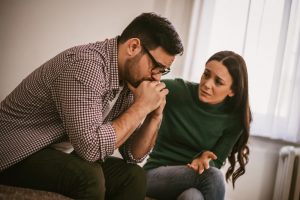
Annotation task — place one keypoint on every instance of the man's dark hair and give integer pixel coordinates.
(153, 31)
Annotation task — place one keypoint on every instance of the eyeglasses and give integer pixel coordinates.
(158, 68)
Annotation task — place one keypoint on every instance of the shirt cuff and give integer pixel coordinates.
(107, 139)
(127, 153)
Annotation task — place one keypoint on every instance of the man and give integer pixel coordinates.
(94, 98)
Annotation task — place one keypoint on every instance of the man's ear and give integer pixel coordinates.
(133, 46)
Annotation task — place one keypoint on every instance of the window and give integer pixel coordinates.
(266, 33)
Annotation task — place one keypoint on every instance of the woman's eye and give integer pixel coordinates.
(205, 75)
(218, 82)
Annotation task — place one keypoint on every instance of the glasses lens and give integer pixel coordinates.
(160, 70)
(165, 71)
(157, 66)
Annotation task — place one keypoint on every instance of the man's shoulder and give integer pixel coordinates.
(97, 50)
(96, 63)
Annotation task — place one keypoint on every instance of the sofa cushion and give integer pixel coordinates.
(18, 193)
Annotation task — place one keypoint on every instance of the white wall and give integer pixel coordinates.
(33, 31)
(258, 181)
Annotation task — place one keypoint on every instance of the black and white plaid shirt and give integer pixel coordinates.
(64, 100)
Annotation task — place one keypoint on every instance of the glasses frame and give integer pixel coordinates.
(163, 70)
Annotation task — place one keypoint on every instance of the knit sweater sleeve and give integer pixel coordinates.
(225, 144)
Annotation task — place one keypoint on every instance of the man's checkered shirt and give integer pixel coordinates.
(64, 99)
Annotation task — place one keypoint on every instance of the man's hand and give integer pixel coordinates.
(202, 162)
(150, 95)
(158, 112)
(148, 105)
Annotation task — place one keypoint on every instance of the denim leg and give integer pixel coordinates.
(191, 194)
(170, 181)
(211, 183)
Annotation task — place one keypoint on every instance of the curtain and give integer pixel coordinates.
(267, 34)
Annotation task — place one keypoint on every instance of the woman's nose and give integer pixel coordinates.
(208, 84)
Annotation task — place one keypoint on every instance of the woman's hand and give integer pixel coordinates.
(202, 162)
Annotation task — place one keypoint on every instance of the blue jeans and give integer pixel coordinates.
(181, 182)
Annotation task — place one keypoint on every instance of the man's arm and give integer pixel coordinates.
(145, 136)
(79, 106)
(149, 101)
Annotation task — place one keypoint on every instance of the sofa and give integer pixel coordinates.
(18, 193)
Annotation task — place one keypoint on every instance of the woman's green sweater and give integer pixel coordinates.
(190, 127)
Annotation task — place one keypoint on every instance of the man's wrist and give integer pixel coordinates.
(140, 109)
(155, 116)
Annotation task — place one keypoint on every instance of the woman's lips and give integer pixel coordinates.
(205, 93)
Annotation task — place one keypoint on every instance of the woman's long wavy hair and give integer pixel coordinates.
(236, 66)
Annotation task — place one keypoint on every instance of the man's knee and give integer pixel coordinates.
(88, 181)
(135, 184)
(137, 176)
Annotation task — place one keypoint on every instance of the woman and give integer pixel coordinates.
(203, 124)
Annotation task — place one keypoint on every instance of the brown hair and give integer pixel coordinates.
(236, 66)
(153, 31)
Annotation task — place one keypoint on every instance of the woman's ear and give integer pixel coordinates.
(133, 46)
(231, 93)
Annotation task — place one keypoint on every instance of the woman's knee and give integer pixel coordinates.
(216, 176)
(191, 194)
(215, 180)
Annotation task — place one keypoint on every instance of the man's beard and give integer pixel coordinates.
(140, 81)
(129, 64)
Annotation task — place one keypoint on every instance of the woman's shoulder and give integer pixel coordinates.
(180, 90)
(179, 83)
